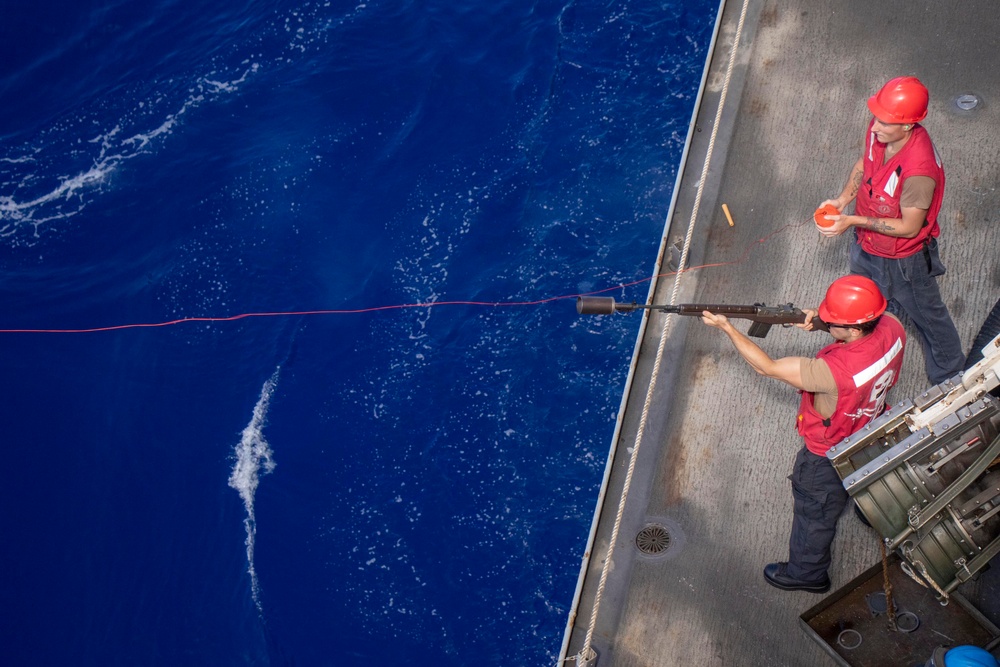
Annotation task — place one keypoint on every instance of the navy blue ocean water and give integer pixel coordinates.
(389, 486)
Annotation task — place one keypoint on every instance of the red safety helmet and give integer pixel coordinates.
(902, 100)
(852, 300)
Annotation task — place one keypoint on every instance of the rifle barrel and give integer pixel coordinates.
(606, 305)
(698, 308)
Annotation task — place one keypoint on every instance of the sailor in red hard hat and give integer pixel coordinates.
(897, 186)
(843, 388)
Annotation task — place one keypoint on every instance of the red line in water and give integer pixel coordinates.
(375, 309)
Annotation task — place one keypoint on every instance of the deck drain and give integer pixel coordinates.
(653, 540)
(967, 102)
(661, 539)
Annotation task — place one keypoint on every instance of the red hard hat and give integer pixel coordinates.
(902, 100)
(852, 300)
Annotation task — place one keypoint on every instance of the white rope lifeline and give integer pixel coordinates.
(587, 653)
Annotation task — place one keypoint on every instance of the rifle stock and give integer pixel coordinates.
(762, 317)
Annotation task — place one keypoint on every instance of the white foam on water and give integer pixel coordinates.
(252, 459)
(55, 175)
(25, 203)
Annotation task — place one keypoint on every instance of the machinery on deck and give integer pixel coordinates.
(926, 476)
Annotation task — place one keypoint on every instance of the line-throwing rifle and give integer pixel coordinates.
(762, 316)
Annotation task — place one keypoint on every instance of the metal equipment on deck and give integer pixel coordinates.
(852, 623)
(926, 476)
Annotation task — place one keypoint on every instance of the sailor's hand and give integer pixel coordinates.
(836, 225)
(714, 320)
(810, 316)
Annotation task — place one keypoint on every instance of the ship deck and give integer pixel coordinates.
(717, 441)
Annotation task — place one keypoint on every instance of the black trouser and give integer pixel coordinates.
(820, 498)
(910, 286)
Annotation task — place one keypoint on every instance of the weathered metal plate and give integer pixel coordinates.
(847, 609)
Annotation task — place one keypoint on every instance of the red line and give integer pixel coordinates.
(290, 313)
(433, 304)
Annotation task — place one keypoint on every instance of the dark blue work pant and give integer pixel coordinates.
(820, 498)
(910, 286)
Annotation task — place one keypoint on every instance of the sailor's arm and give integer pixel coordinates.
(786, 369)
(905, 227)
(851, 188)
(917, 196)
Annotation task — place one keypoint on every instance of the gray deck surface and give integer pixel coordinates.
(719, 441)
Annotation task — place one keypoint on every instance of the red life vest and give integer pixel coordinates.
(864, 370)
(882, 187)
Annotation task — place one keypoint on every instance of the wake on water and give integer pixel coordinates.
(57, 173)
(253, 455)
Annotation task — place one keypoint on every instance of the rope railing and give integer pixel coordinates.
(587, 654)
